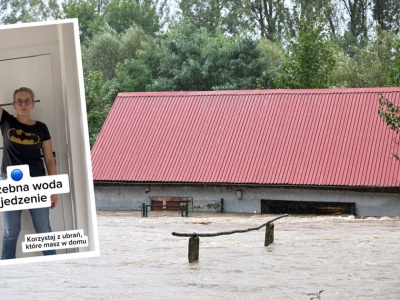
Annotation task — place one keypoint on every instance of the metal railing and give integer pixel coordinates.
(194, 208)
(182, 209)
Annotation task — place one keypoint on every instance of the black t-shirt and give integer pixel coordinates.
(23, 144)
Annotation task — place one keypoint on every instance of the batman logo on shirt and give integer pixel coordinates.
(21, 137)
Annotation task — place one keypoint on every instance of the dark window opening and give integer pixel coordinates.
(307, 207)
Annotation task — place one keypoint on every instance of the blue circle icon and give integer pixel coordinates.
(17, 175)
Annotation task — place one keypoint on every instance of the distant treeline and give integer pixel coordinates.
(150, 45)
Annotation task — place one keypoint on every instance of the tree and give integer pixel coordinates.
(273, 55)
(357, 13)
(228, 16)
(388, 109)
(272, 17)
(333, 17)
(103, 53)
(198, 60)
(88, 15)
(235, 63)
(131, 41)
(309, 61)
(387, 14)
(109, 48)
(122, 14)
(390, 113)
(324, 12)
(188, 58)
(132, 71)
(96, 105)
(395, 66)
(387, 49)
(369, 66)
(15, 11)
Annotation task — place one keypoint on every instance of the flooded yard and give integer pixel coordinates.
(347, 257)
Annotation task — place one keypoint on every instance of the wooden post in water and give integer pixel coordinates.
(194, 245)
(194, 240)
(269, 234)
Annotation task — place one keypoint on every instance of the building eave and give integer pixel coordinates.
(371, 189)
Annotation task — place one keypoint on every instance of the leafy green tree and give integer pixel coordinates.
(89, 17)
(390, 112)
(131, 76)
(198, 60)
(273, 18)
(388, 109)
(323, 12)
(387, 49)
(228, 16)
(357, 11)
(387, 14)
(122, 14)
(355, 24)
(233, 63)
(130, 72)
(96, 105)
(272, 53)
(347, 72)
(370, 66)
(109, 48)
(131, 41)
(103, 53)
(363, 69)
(309, 61)
(101, 6)
(394, 77)
(14, 11)
(163, 65)
(332, 17)
(188, 58)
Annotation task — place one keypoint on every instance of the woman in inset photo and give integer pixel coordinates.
(24, 141)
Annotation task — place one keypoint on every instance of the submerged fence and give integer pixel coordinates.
(183, 209)
(166, 209)
(194, 241)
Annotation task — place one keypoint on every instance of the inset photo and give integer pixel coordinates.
(47, 206)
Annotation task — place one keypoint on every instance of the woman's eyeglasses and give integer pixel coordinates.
(20, 102)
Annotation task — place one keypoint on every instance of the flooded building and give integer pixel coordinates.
(264, 151)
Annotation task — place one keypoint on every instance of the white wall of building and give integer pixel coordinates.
(132, 196)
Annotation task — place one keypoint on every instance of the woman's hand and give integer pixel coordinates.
(54, 201)
(50, 166)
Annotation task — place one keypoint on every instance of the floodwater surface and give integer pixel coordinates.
(346, 257)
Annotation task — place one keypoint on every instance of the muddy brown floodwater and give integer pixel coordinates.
(348, 258)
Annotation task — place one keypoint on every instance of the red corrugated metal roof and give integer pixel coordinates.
(331, 137)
